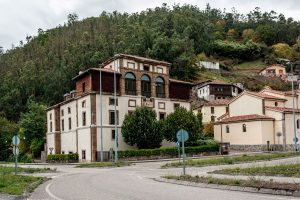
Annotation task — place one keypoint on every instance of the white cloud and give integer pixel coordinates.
(20, 18)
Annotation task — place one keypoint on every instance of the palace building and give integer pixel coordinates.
(73, 126)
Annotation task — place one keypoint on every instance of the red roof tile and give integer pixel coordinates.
(265, 96)
(180, 81)
(282, 109)
(217, 102)
(253, 117)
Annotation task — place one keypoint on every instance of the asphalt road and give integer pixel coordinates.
(129, 183)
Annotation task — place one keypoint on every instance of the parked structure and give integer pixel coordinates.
(214, 90)
(258, 121)
(209, 65)
(74, 124)
(274, 71)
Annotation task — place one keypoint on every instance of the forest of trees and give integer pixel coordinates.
(42, 67)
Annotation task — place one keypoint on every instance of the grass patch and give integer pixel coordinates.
(10, 170)
(16, 184)
(290, 170)
(255, 183)
(256, 64)
(104, 164)
(230, 159)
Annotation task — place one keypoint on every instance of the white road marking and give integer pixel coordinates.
(50, 194)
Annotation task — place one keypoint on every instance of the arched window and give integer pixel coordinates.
(130, 84)
(146, 86)
(227, 128)
(160, 87)
(244, 128)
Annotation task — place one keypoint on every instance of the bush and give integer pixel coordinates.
(142, 129)
(73, 157)
(171, 151)
(182, 119)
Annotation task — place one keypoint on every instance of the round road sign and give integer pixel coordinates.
(15, 140)
(182, 135)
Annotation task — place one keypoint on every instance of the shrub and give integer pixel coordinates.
(73, 157)
(142, 129)
(171, 151)
(182, 119)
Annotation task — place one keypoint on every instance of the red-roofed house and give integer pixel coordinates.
(256, 120)
(73, 126)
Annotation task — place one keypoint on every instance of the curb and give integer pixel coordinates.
(231, 188)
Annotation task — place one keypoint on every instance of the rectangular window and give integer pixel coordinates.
(83, 155)
(227, 129)
(162, 116)
(146, 67)
(244, 128)
(83, 104)
(83, 87)
(212, 118)
(227, 109)
(112, 117)
(69, 110)
(112, 101)
(297, 122)
(212, 110)
(113, 134)
(63, 125)
(83, 119)
(70, 123)
(176, 105)
(50, 126)
(62, 112)
(50, 116)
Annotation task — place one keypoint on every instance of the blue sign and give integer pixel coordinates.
(182, 135)
(177, 144)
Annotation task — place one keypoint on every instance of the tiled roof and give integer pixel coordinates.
(253, 117)
(95, 69)
(214, 82)
(180, 81)
(265, 96)
(269, 89)
(282, 109)
(142, 59)
(217, 102)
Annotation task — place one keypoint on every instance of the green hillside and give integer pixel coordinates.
(42, 67)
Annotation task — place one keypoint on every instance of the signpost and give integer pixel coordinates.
(182, 136)
(16, 142)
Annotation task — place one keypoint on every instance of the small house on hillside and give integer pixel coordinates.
(214, 90)
(274, 71)
(209, 65)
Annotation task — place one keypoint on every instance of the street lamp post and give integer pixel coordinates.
(101, 123)
(294, 116)
(115, 111)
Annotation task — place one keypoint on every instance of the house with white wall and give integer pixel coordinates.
(74, 126)
(257, 120)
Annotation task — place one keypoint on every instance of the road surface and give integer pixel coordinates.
(130, 183)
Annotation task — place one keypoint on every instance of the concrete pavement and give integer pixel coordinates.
(132, 183)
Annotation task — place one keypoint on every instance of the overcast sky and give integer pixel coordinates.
(19, 18)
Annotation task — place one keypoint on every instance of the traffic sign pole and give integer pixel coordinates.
(16, 156)
(183, 154)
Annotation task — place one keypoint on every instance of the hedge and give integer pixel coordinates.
(73, 157)
(171, 151)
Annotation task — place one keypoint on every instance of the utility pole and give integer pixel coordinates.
(294, 117)
(101, 121)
